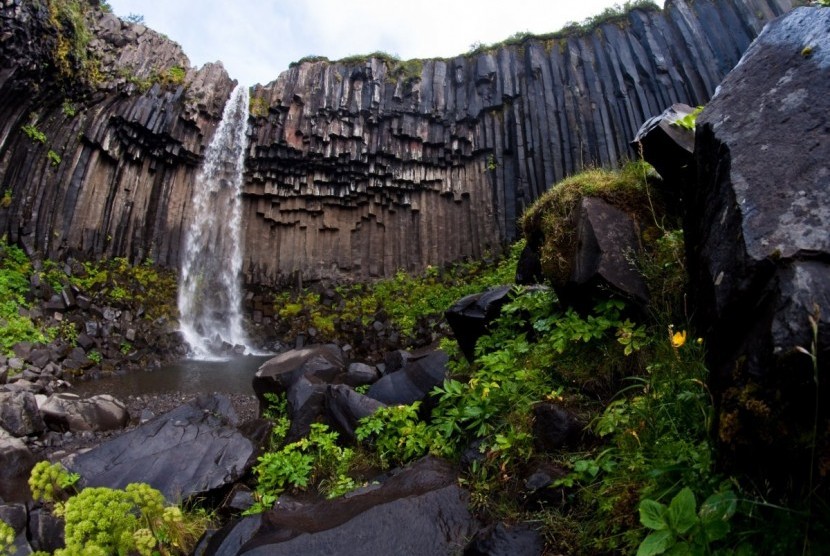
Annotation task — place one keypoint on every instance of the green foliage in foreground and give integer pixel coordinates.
(15, 272)
(104, 521)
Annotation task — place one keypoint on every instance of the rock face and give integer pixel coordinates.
(759, 248)
(361, 167)
(122, 125)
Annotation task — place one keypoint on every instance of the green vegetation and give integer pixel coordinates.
(408, 301)
(614, 14)
(68, 18)
(174, 76)
(6, 538)
(258, 107)
(6, 199)
(102, 521)
(53, 157)
(33, 133)
(68, 108)
(112, 282)
(688, 121)
(308, 59)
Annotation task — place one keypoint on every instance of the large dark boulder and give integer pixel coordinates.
(602, 260)
(19, 414)
(188, 451)
(419, 511)
(471, 316)
(319, 364)
(413, 382)
(70, 412)
(758, 240)
(345, 408)
(16, 463)
(669, 147)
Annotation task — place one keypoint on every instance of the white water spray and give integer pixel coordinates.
(210, 292)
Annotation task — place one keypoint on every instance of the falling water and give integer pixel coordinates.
(210, 295)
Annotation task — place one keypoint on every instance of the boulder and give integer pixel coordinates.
(413, 382)
(69, 412)
(758, 243)
(669, 147)
(504, 540)
(345, 408)
(15, 516)
(606, 244)
(318, 363)
(19, 413)
(305, 405)
(554, 427)
(46, 531)
(359, 374)
(471, 316)
(16, 461)
(188, 451)
(419, 511)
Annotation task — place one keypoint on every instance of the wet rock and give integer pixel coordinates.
(345, 408)
(189, 451)
(16, 461)
(424, 497)
(758, 248)
(471, 316)
(69, 412)
(504, 540)
(305, 405)
(412, 383)
(320, 364)
(554, 427)
(19, 414)
(359, 374)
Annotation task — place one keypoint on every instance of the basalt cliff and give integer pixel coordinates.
(354, 168)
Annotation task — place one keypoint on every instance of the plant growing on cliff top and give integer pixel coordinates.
(68, 18)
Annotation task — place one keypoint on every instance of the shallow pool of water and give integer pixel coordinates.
(233, 376)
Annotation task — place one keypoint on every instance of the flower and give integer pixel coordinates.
(678, 339)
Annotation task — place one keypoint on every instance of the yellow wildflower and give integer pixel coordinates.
(678, 339)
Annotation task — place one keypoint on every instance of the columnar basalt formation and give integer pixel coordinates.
(371, 166)
(354, 168)
(98, 151)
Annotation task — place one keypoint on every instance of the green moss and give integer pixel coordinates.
(550, 220)
(258, 107)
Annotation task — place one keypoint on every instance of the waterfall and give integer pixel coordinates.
(210, 291)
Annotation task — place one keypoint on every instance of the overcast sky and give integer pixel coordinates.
(258, 39)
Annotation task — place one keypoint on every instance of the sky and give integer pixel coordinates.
(256, 40)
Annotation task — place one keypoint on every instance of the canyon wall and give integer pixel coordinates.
(355, 168)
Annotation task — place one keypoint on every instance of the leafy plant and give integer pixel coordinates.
(680, 528)
(6, 199)
(689, 120)
(398, 434)
(68, 108)
(6, 538)
(315, 458)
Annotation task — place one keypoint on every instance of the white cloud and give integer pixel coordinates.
(256, 39)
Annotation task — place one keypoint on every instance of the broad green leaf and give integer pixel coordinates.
(656, 542)
(715, 530)
(680, 549)
(653, 515)
(681, 515)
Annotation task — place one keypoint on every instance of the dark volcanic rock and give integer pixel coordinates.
(501, 540)
(412, 383)
(471, 316)
(19, 414)
(69, 412)
(319, 364)
(420, 511)
(345, 408)
(361, 167)
(759, 247)
(603, 259)
(188, 451)
(554, 427)
(16, 461)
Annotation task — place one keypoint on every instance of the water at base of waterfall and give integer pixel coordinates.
(210, 288)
